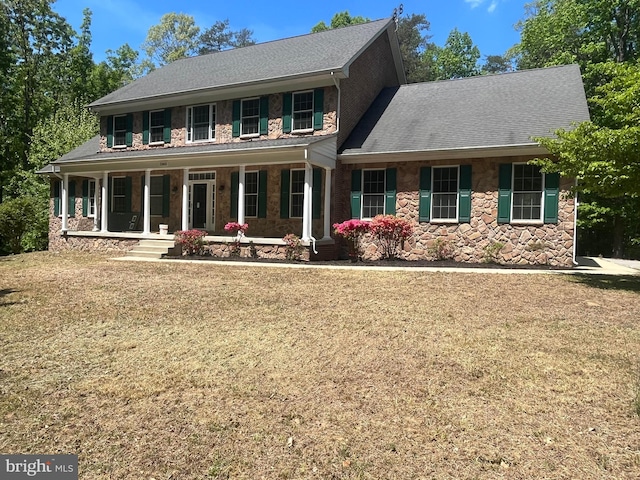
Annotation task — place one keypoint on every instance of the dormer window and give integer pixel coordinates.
(303, 111)
(201, 123)
(250, 116)
(120, 131)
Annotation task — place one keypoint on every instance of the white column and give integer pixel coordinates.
(95, 203)
(241, 195)
(306, 203)
(146, 229)
(65, 202)
(104, 203)
(327, 203)
(185, 199)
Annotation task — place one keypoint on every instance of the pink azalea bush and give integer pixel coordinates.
(235, 227)
(391, 232)
(352, 231)
(293, 246)
(192, 241)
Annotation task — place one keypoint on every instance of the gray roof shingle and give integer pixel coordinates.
(484, 111)
(331, 50)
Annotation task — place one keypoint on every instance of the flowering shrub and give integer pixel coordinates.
(192, 241)
(391, 232)
(352, 231)
(236, 228)
(293, 247)
(441, 249)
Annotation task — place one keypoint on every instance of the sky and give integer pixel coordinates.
(490, 23)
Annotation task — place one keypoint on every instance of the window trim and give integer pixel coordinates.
(256, 194)
(151, 127)
(124, 142)
(293, 112)
(113, 195)
(432, 217)
(538, 221)
(242, 117)
(292, 193)
(212, 123)
(363, 194)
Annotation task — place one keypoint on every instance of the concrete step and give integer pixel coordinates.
(156, 243)
(143, 254)
(149, 248)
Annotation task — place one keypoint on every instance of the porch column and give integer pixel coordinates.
(95, 204)
(241, 195)
(104, 203)
(307, 220)
(146, 229)
(185, 199)
(65, 202)
(327, 204)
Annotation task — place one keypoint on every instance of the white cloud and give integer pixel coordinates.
(493, 6)
(474, 3)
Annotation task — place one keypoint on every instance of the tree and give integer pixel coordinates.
(175, 37)
(219, 37)
(496, 64)
(414, 41)
(340, 19)
(457, 59)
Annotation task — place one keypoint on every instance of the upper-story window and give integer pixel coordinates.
(303, 111)
(201, 123)
(156, 126)
(119, 130)
(250, 118)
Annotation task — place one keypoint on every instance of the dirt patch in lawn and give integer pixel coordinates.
(192, 371)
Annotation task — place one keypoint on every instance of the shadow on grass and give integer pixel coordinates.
(3, 293)
(630, 283)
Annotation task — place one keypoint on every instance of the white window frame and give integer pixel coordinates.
(532, 221)
(115, 132)
(252, 194)
(434, 218)
(297, 194)
(294, 112)
(91, 192)
(113, 193)
(242, 118)
(212, 123)
(383, 194)
(152, 127)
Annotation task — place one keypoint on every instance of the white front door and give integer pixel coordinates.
(202, 201)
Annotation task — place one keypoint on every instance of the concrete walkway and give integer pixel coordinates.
(586, 265)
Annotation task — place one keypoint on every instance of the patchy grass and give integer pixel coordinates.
(176, 370)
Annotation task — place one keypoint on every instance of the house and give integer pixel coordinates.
(294, 135)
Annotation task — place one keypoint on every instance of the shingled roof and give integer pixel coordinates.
(312, 54)
(479, 112)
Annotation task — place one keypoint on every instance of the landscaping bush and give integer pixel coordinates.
(391, 232)
(192, 241)
(23, 225)
(293, 247)
(352, 231)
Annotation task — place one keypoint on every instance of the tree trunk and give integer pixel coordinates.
(618, 236)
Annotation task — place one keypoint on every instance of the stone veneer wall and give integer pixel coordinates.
(548, 244)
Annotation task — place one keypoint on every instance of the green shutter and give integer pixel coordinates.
(356, 193)
(72, 198)
(56, 198)
(166, 194)
(145, 127)
(129, 135)
(264, 115)
(235, 130)
(504, 193)
(464, 194)
(85, 198)
(127, 194)
(390, 191)
(167, 126)
(262, 194)
(235, 180)
(110, 131)
(551, 196)
(316, 201)
(285, 183)
(287, 109)
(425, 194)
(318, 108)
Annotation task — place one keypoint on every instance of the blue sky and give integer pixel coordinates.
(115, 22)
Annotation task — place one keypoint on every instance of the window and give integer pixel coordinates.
(156, 126)
(120, 131)
(156, 195)
(297, 193)
(303, 111)
(444, 202)
(373, 193)
(118, 195)
(91, 211)
(250, 118)
(251, 194)
(528, 186)
(201, 123)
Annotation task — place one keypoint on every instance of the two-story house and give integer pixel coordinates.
(293, 135)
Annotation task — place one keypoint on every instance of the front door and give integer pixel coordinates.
(202, 201)
(199, 206)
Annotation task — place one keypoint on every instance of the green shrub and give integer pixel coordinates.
(441, 249)
(491, 252)
(23, 225)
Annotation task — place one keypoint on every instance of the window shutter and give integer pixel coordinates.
(145, 127)
(166, 194)
(551, 194)
(287, 109)
(504, 193)
(285, 179)
(262, 194)
(390, 191)
(235, 180)
(85, 198)
(72, 198)
(167, 126)
(316, 201)
(56, 198)
(235, 130)
(129, 134)
(464, 194)
(110, 131)
(425, 194)
(318, 108)
(127, 194)
(356, 193)
(264, 115)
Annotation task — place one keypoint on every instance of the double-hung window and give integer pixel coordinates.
(251, 194)
(156, 194)
(303, 111)
(444, 203)
(201, 123)
(250, 116)
(373, 193)
(91, 198)
(297, 193)
(528, 187)
(156, 126)
(119, 130)
(118, 195)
